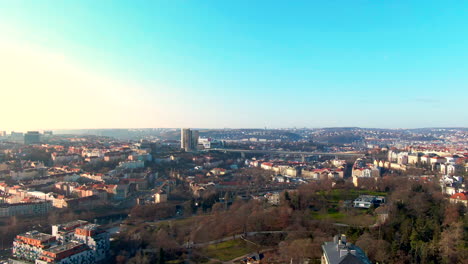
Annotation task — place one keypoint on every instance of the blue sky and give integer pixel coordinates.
(375, 63)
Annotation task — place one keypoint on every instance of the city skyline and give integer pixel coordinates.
(88, 65)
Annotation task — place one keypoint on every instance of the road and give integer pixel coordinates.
(237, 236)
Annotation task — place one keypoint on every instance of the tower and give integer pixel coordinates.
(188, 139)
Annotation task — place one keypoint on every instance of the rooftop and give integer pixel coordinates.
(64, 247)
(90, 227)
(72, 224)
(340, 252)
(37, 235)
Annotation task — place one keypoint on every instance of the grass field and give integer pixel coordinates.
(228, 250)
(329, 215)
(338, 194)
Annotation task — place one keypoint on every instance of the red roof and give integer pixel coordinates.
(459, 196)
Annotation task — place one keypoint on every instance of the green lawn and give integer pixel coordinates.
(333, 216)
(228, 250)
(336, 195)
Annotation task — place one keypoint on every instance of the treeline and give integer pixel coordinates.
(422, 227)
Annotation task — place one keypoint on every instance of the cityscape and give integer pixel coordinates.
(234, 132)
(234, 195)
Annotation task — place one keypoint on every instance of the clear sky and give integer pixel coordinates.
(242, 63)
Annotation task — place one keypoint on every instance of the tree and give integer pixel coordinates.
(450, 241)
(161, 258)
(297, 251)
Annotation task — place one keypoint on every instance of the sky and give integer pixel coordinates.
(233, 64)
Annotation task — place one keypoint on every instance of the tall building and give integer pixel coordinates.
(32, 137)
(188, 139)
(17, 137)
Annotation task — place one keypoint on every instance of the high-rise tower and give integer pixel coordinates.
(188, 139)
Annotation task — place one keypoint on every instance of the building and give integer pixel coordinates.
(414, 158)
(28, 173)
(114, 156)
(209, 143)
(25, 208)
(293, 171)
(30, 245)
(65, 232)
(96, 238)
(67, 253)
(131, 164)
(189, 139)
(339, 251)
(87, 202)
(459, 198)
(32, 137)
(17, 137)
(160, 197)
(74, 242)
(366, 201)
(64, 158)
(437, 159)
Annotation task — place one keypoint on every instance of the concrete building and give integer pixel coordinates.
(72, 242)
(65, 232)
(30, 245)
(32, 137)
(67, 253)
(96, 238)
(39, 208)
(17, 137)
(189, 139)
(209, 143)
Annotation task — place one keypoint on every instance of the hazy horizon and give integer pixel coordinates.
(233, 128)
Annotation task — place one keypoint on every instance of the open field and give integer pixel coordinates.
(228, 250)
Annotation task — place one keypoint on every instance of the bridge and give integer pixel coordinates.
(288, 152)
